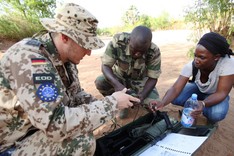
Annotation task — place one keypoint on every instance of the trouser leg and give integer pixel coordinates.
(217, 112)
(186, 93)
(103, 86)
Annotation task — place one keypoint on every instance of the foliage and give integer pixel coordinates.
(15, 27)
(163, 21)
(212, 15)
(131, 16)
(20, 18)
(29, 8)
(109, 32)
(145, 20)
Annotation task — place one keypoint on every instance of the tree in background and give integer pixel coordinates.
(146, 20)
(163, 21)
(20, 18)
(212, 15)
(131, 16)
(29, 8)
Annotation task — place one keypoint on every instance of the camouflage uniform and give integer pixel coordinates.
(133, 73)
(65, 125)
(38, 92)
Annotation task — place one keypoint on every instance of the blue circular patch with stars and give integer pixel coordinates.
(47, 92)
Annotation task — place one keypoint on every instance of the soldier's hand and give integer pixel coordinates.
(124, 100)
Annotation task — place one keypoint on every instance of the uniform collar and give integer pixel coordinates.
(128, 50)
(50, 47)
(129, 54)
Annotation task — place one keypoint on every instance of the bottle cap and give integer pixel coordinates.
(194, 96)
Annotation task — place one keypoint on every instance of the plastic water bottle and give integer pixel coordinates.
(187, 120)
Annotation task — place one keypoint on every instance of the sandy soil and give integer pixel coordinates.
(173, 58)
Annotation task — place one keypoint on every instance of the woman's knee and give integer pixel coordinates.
(217, 112)
(215, 117)
(185, 94)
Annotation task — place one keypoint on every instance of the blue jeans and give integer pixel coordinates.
(8, 152)
(214, 113)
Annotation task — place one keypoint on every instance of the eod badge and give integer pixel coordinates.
(43, 78)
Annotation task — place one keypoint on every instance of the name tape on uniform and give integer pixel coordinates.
(43, 78)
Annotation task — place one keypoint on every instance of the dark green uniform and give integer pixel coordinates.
(133, 73)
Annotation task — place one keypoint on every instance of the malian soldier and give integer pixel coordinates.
(133, 61)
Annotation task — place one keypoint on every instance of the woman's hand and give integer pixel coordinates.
(198, 111)
(156, 105)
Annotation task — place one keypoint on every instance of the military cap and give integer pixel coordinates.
(77, 23)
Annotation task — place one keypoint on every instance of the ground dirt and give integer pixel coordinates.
(174, 56)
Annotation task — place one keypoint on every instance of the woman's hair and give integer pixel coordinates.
(216, 44)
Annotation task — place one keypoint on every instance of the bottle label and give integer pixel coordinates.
(186, 119)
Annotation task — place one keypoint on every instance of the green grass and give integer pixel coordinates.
(17, 28)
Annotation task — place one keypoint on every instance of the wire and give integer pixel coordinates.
(115, 125)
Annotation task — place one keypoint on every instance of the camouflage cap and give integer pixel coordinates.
(77, 23)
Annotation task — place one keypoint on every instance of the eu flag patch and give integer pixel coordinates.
(47, 92)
